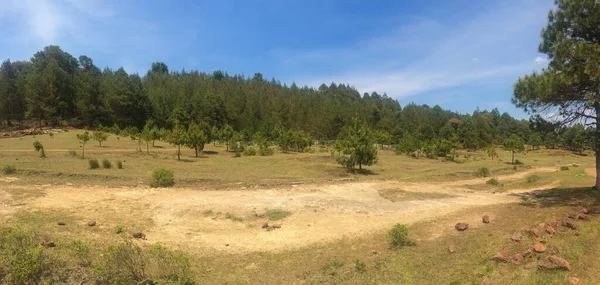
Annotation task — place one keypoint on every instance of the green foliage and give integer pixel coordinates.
(250, 151)
(514, 144)
(483, 172)
(119, 229)
(493, 181)
(535, 140)
(39, 148)
(276, 214)
(106, 164)
(21, 257)
(398, 236)
(177, 137)
(226, 134)
(196, 138)
(83, 139)
(491, 152)
(265, 150)
(360, 266)
(564, 168)
(162, 177)
(355, 147)
(127, 263)
(532, 178)
(119, 164)
(9, 169)
(73, 154)
(100, 137)
(94, 164)
(233, 217)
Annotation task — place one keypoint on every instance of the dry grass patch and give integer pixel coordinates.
(397, 195)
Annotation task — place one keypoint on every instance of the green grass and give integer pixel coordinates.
(276, 214)
(233, 217)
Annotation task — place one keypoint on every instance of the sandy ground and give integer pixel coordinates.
(320, 213)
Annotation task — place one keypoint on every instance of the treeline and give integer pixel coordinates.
(54, 87)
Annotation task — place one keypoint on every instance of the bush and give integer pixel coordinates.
(483, 172)
(106, 164)
(9, 169)
(94, 164)
(493, 181)
(265, 151)
(162, 177)
(575, 165)
(532, 178)
(398, 236)
(127, 263)
(21, 260)
(73, 154)
(250, 151)
(564, 168)
(119, 164)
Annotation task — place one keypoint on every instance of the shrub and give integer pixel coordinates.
(94, 164)
(127, 263)
(119, 164)
(119, 229)
(265, 151)
(532, 178)
(106, 164)
(162, 177)
(250, 151)
(276, 214)
(518, 162)
(360, 266)
(575, 165)
(398, 236)
(39, 148)
(9, 169)
(493, 181)
(21, 260)
(483, 172)
(73, 154)
(564, 168)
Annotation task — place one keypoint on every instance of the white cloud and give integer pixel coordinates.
(475, 59)
(541, 60)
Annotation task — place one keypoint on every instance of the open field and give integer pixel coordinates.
(326, 226)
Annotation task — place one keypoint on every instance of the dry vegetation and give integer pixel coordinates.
(288, 218)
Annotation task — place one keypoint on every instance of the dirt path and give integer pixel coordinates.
(197, 220)
(591, 172)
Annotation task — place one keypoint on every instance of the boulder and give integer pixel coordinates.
(501, 256)
(585, 211)
(139, 235)
(528, 253)
(518, 236)
(265, 225)
(518, 257)
(60, 223)
(583, 216)
(570, 225)
(550, 229)
(571, 216)
(451, 248)
(91, 223)
(461, 226)
(485, 219)
(574, 280)
(554, 262)
(538, 247)
(535, 232)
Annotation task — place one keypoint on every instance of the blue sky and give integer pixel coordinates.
(458, 54)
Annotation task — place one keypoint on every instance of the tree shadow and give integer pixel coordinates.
(557, 197)
(210, 152)
(363, 172)
(158, 146)
(186, 160)
(580, 154)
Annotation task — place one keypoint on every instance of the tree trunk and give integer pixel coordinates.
(178, 152)
(147, 148)
(196, 148)
(83, 151)
(513, 157)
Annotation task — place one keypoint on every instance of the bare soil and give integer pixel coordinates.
(205, 221)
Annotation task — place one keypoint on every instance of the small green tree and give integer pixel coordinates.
(83, 139)
(147, 136)
(196, 138)
(535, 141)
(514, 144)
(214, 133)
(39, 148)
(409, 144)
(285, 140)
(491, 152)
(226, 134)
(100, 137)
(355, 147)
(177, 137)
(382, 138)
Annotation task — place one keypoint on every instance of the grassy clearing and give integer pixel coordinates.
(276, 214)
(397, 195)
(215, 170)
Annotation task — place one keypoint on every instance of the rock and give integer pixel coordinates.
(486, 281)
(518, 236)
(585, 211)
(518, 257)
(583, 216)
(373, 251)
(501, 256)
(226, 244)
(554, 262)
(276, 226)
(49, 244)
(139, 235)
(461, 226)
(543, 239)
(528, 253)
(265, 225)
(574, 280)
(538, 247)
(91, 224)
(451, 248)
(550, 229)
(60, 223)
(570, 225)
(571, 216)
(527, 267)
(485, 219)
(535, 231)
